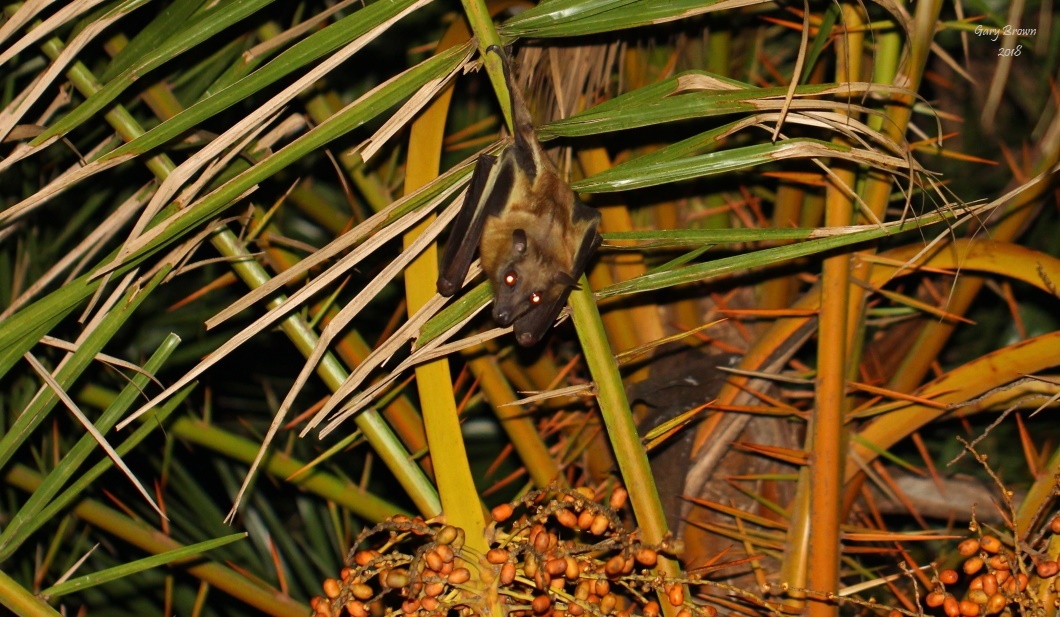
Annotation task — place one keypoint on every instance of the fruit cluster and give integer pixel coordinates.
(555, 553)
(999, 577)
(416, 581)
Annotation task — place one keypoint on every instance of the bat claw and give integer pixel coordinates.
(446, 288)
(526, 339)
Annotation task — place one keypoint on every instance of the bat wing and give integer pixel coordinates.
(591, 239)
(491, 185)
(532, 325)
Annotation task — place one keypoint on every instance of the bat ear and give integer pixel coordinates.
(519, 241)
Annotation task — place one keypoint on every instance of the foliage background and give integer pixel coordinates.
(154, 172)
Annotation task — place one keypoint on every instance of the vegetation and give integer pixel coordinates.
(826, 296)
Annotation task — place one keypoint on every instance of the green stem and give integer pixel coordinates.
(622, 432)
(280, 465)
(486, 34)
(144, 536)
(20, 601)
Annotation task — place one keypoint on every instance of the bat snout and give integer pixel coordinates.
(507, 310)
(504, 316)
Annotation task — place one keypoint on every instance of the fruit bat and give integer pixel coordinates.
(533, 234)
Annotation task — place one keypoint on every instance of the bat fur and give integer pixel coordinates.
(534, 236)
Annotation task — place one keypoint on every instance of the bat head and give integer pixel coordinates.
(529, 293)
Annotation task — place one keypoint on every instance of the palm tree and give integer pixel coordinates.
(788, 224)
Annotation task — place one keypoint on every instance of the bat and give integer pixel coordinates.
(534, 236)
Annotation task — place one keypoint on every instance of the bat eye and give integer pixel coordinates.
(510, 279)
(535, 298)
